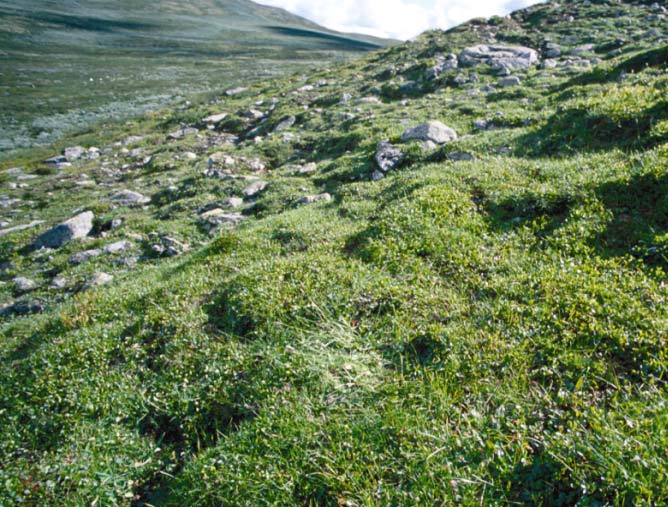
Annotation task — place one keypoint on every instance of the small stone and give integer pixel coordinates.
(130, 198)
(23, 284)
(235, 91)
(58, 162)
(377, 175)
(74, 153)
(285, 123)
(118, 247)
(368, 100)
(480, 124)
(552, 50)
(306, 169)
(214, 118)
(81, 257)
(58, 283)
(309, 199)
(256, 165)
(429, 146)
(510, 81)
(132, 140)
(172, 247)
(218, 217)
(232, 202)
(255, 188)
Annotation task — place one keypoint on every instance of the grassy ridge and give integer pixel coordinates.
(482, 332)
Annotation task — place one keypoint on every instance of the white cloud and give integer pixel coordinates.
(401, 19)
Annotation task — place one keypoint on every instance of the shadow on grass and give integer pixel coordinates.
(547, 212)
(71, 21)
(638, 205)
(577, 130)
(543, 481)
(655, 58)
(331, 40)
(640, 218)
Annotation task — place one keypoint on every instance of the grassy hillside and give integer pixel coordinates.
(69, 64)
(484, 325)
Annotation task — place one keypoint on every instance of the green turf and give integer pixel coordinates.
(486, 332)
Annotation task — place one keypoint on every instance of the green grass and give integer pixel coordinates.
(488, 332)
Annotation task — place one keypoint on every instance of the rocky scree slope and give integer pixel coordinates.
(434, 276)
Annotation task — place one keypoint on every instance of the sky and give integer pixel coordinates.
(398, 19)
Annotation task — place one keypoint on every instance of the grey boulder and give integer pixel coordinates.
(433, 131)
(76, 227)
(23, 284)
(388, 157)
(499, 57)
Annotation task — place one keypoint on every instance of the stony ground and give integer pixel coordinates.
(434, 276)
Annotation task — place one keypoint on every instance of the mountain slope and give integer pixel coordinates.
(288, 297)
(68, 64)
